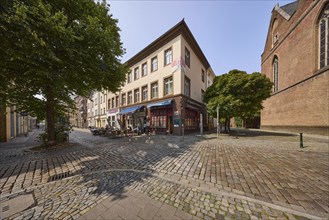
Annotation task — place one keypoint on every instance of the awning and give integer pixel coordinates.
(130, 110)
(158, 104)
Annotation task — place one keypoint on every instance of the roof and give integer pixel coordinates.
(290, 8)
(180, 28)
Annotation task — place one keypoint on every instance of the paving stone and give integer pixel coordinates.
(245, 166)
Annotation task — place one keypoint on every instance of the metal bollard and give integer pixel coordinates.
(301, 140)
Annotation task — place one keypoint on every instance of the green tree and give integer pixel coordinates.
(57, 49)
(237, 94)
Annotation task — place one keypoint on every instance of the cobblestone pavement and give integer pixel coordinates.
(252, 174)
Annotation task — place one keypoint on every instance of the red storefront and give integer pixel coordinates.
(161, 116)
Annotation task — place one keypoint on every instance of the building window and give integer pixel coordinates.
(144, 69)
(136, 95)
(104, 111)
(187, 57)
(187, 86)
(136, 73)
(275, 37)
(112, 121)
(202, 95)
(144, 93)
(96, 112)
(168, 56)
(159, 121)
(154, 64)
(154, 90)
(276, 74)
(123, 99)
(113, 102)
(168, 89)
(130, 98)
(117, 101)
(202, 75)
(129, 78)
(324, 38)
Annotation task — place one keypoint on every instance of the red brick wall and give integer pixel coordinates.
(305, 104)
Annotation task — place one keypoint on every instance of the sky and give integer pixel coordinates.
(231, 34)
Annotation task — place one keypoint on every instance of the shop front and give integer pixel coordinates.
(112, 118)
(161, 116)
(133, 117)
(192, 117)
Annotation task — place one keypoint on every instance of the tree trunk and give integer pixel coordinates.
(225, 124)
(50, 115)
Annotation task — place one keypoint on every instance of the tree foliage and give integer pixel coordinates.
(57, 49)
(237, 94)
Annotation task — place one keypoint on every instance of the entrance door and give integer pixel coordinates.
(170, 124)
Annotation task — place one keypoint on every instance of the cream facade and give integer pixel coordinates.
(13, 124)
(164, 87)
(97, 110)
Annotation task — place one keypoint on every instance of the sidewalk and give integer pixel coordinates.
(23, 141)
(135, 206)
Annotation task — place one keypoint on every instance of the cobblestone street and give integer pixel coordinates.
(248, 175)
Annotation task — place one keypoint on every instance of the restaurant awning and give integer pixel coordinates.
(130, 110)
(158, 104)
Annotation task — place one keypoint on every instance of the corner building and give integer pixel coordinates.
(164, 87)
(296, 59)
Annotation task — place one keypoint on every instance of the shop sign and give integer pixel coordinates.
(112, 111)
(24, 113)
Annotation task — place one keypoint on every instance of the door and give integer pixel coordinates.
(170, 125)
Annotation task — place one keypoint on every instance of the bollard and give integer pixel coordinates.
(301, 140)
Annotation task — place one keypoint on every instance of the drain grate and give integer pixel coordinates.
(60, 176)
(5, 208)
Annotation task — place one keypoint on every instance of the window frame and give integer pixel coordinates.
(144, 74)
(187, 59)
(157, 64)
(165, 56)
(129, 97)
(123, 99)
(117, 101)
(136, 78)
(172, 86)
(323, 62)
(136, 101)
(275, 65)
(129, 77)
(143, 99)
(189, 86)
(157, 93)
